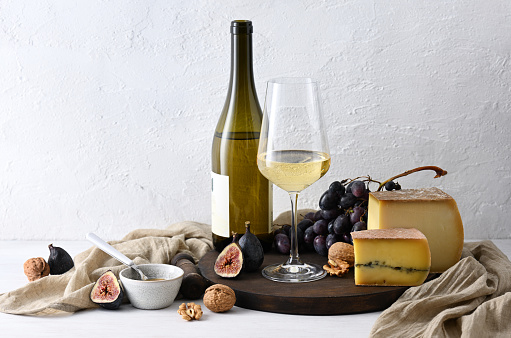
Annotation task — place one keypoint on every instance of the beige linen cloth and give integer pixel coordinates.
(67, 293)
(471, 299)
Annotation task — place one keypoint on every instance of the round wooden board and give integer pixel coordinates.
(331, 295)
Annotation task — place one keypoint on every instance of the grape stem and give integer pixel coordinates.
(439, 173)
(365, 179)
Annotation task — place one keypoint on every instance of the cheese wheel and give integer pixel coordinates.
(431, 211)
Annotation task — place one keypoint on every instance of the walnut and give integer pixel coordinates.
(337, 270)
(190, 311)
(36, 268)
(219, 298)
(341, 251)
(341, 257)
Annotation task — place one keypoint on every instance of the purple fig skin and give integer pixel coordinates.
(59, 261)
(253, 253)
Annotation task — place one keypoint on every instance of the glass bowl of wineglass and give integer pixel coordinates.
(293, 153)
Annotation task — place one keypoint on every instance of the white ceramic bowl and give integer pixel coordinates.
(151, 295)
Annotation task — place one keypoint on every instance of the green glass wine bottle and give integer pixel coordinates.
(239, 192)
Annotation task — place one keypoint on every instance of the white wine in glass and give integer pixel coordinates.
(293, 154)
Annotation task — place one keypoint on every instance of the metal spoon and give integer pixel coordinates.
(114, 253)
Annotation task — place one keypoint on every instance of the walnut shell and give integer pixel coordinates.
(341, 251)
(219, 298)
(36, 268)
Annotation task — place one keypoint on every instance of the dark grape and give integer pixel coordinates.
(356, 214)
(279, 231)
(308, 237)
(331, 239)
(320, 245)
(317, 216)
(337, 188)
(330, 214)
(348, 200)
(321, 227)
(282, 244)
(309, 230)
(348, 187)
(342, 224)
(358, 188)
(331, 226)
(359, 226)
(305, 223)
(287, 229)
(398, 186)
(390, 185)
(328, 200)
(309, 215)
(366, 194)
(359, 203)
(346, 238)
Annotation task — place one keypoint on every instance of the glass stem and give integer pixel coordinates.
(294, 258)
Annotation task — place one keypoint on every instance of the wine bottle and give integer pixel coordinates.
(239, 192)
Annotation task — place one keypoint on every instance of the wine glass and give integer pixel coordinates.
(293, 154)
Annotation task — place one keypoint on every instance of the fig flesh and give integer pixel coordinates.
(59, 261)
(107, 292)
(229, 262)
(253, 253)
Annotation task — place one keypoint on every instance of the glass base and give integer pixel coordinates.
(294, 273)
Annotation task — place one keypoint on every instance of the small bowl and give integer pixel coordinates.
(152, 295)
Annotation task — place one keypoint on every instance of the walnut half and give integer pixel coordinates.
(190, 311)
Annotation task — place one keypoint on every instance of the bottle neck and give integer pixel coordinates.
(242, 74)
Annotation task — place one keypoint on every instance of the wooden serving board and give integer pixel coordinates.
(331, 295)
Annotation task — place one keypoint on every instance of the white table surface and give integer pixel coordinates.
(130, 322)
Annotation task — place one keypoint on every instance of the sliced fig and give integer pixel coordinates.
(253, 253)
(107, 292)
(59, 261)
(229, 262)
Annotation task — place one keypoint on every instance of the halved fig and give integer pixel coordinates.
(229, 262)
(107, 291)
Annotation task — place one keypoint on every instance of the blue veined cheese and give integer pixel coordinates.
(391, 257)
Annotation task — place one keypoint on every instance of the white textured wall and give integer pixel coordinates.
(107, 108)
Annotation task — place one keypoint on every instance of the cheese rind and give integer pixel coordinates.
(429, 210)
(392, 257)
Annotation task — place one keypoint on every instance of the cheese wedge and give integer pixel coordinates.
(392, 257)
(431, 211)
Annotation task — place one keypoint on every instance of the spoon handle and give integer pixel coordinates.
(109, 249)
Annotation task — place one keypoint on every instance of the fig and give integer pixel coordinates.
(253, 254)
(107, 292)
(229, 262)
(59, 261)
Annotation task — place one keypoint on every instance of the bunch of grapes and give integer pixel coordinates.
(343, 209)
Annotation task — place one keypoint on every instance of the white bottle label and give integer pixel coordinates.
(220, 204)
